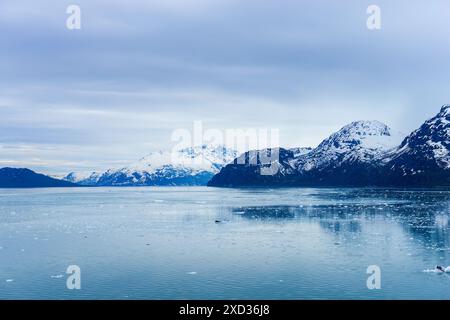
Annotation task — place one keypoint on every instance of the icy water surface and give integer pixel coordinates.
(207, 243)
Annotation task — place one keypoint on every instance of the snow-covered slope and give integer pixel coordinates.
(298, 152)
(345, 158)
(423, 156)
(196, 159)
(431, 141)
(189, 166)
(357, 142)
(83, 178)
(363, 153)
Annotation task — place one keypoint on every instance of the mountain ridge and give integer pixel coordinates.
(362, 153)
(26, 178)
(185, 167)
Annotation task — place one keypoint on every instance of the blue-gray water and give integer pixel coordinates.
(165, 243)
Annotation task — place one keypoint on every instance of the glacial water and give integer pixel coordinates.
(208, 243)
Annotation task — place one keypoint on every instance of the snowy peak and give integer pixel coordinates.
(431, 142)
(363, 153)
(84, 178)
(71, 177)
(216, 155)
(434, 131)
(198, 158)
(366, 128)
(357, 142)
(439, 123)
(445, 110)
(372, 135)
(188, 166)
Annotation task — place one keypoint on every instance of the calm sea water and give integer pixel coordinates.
(168, 243)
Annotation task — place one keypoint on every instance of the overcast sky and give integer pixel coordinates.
(137, 70)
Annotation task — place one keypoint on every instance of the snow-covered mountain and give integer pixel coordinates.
(246, 169)
(189, 166)
(363, 153)
(84, 178)
(344, 158)
(423, 157)
(359, 142)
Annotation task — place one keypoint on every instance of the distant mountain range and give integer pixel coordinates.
(363, 153)
(187, 167)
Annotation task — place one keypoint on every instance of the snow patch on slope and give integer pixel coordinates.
(165, 168)
(359, 141)
(431, 141)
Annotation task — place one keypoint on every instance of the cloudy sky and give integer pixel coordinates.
(137, 70)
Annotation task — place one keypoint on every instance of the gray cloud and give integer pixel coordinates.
(137, 70)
